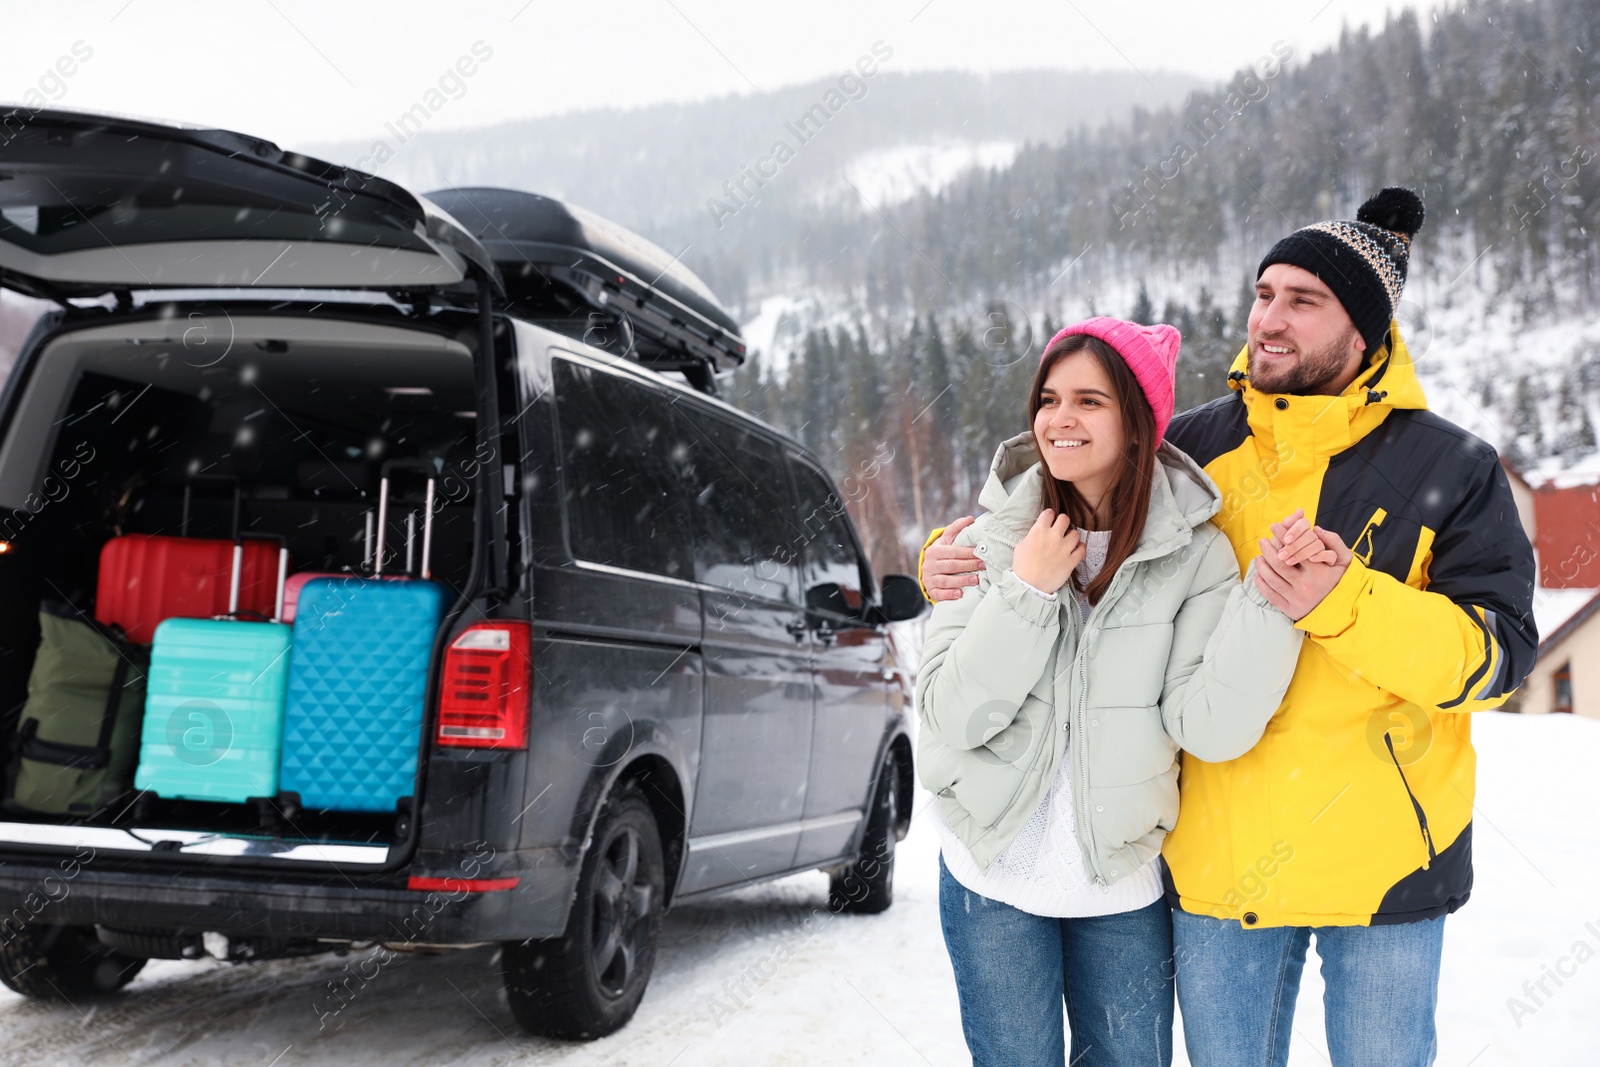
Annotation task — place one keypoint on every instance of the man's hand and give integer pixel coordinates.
(1048, 555)
(948, 568)
(1295, 589)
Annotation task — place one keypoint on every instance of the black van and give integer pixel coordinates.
(697, 685)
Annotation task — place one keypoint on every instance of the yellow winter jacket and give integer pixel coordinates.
(1355, 807)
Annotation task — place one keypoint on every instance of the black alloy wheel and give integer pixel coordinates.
(866, 887)
(588, 982)
(624, 902)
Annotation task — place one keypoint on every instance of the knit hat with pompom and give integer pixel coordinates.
(1363, 262)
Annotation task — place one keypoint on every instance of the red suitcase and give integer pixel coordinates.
(145, 578)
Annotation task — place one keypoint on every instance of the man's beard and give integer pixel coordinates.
(1309, 374)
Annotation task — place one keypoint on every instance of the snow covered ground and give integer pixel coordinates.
(878, 990)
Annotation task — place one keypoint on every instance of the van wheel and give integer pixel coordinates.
(588, 982)
(63, 963)
(866, 886)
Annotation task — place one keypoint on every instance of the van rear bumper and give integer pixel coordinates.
(43, 890)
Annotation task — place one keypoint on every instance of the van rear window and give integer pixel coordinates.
(624, 469)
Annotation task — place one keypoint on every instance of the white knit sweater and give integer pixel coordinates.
(1042, 871)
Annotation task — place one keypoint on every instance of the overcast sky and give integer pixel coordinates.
(306, 71)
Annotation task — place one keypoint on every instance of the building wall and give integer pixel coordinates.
(1568, 541)
(1580, 653)
(1524, 500)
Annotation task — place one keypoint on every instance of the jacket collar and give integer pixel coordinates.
(1182, 496)
(1317, 427)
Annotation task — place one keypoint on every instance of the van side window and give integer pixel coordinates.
(829, 551)
(744, 539)
(623, 459)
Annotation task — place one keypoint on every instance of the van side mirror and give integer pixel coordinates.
(902, 598)
(829, 596)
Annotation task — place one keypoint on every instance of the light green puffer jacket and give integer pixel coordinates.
(1178, 653)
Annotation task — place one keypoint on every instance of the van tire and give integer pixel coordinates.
(588, 982)
(866, 887)
(63, 963)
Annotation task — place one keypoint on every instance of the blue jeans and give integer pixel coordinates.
(1014, 970)
(1237, 989)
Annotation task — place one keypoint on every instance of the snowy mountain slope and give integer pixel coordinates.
(884, 176)
(652, 165)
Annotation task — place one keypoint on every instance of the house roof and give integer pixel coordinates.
(1573, 622)
(1559, 472)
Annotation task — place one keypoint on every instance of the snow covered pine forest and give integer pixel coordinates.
(915, 331)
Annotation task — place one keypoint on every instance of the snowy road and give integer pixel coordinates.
(878, 990)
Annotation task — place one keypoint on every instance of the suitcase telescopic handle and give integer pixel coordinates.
(417, 467)
(238, 570)
(221, 479)
(237, 576)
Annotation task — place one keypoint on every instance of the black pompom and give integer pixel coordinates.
(1396, 209)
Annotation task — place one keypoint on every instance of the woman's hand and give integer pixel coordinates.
(1046, 558)
(1298, 542)
(1295, 589)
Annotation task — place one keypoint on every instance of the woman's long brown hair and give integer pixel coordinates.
(1128, 503)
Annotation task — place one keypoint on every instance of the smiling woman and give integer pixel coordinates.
(1096, 434)
(1108, 628)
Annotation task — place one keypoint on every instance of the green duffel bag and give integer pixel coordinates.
(77, 738)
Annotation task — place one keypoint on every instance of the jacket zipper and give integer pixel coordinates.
(1416, 805)
(1080, 794)
(1013, 801)
(1080, 780)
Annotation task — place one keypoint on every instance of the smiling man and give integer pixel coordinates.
(1352, 817)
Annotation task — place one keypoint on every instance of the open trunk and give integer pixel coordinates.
(169, 369)
(113, 423)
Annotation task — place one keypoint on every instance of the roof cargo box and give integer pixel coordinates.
(559, 262)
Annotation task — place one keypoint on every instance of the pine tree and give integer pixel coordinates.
(1567, 406)
(1240, 323)
(751, 391)
(1583, 442)
(937, 414)
(1525, 416)
(1144, 312)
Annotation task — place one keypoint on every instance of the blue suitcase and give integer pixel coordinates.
(358, 679)
(213, 720)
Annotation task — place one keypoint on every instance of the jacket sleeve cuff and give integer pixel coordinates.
(1252, 591)
(1036, 591)
(1025, 600)
(1337, 612)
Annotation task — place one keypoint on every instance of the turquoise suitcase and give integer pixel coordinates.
(358, 686)
(213, 722)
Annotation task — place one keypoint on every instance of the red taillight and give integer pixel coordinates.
(462, 885)
(484, 700)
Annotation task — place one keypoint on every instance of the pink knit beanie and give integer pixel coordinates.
(1151, 352)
